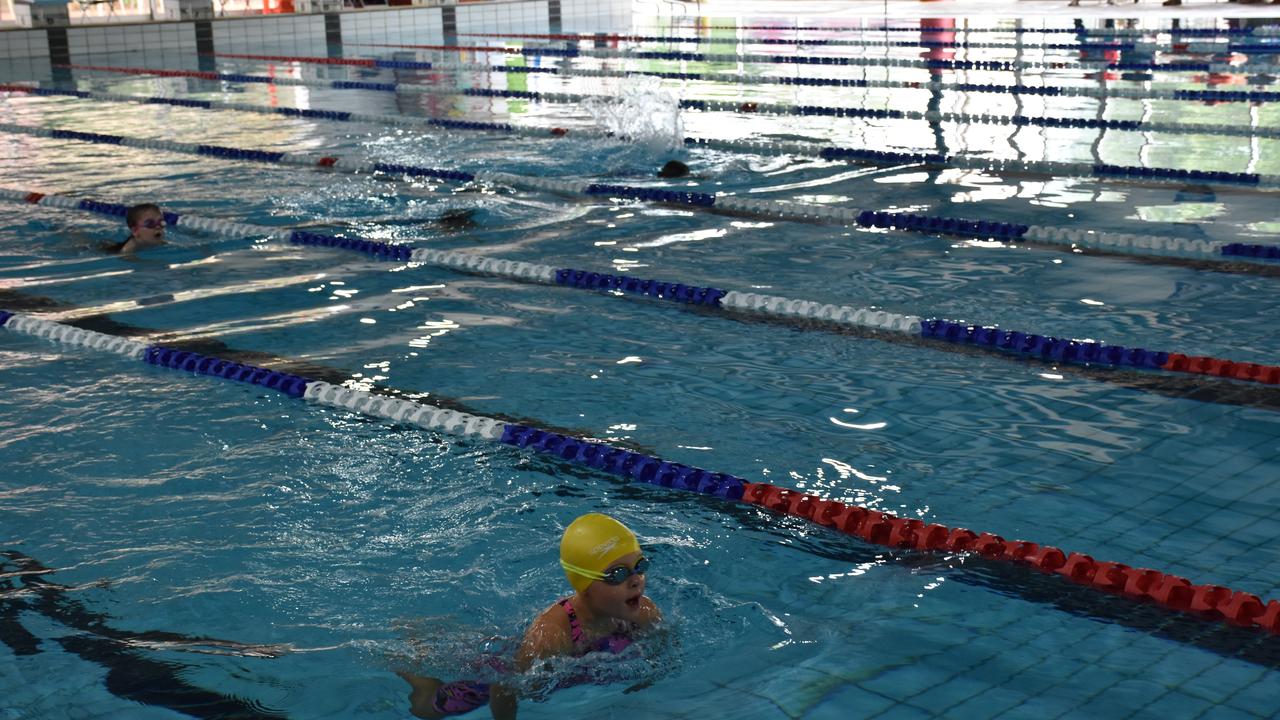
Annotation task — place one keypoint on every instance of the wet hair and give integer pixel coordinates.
(134, 214)
(673, 169)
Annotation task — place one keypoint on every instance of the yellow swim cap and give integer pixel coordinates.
(592, 543)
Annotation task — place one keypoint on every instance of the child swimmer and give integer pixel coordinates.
(601, 558)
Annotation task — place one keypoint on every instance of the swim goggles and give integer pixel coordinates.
(614, 575)
(152, 224)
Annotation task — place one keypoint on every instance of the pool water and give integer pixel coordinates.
(149, 513)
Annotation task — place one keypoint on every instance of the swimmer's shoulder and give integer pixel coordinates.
(548, 636)
(114, 248)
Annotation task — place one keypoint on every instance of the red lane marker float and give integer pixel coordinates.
(327, 161)
(34, 197)
(1211, 602)
(1200, 365)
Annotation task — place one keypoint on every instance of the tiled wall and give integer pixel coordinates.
(23, 44)
(525, 17)
(305, 34)
(92, 40)
(281, 34)
(584, 16)
(420, 25)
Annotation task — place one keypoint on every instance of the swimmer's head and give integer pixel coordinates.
(146, 225)
(673, 169)
(590, 545)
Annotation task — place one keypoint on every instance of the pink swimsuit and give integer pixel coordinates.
(462, 696)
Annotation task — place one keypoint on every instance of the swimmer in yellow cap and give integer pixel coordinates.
(602, 561)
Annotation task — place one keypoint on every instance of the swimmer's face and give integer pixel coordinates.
(149, 230)
(621, 601)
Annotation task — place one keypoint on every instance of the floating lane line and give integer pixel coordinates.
(829, 153)
(933, 84)
(1145, 47)
(1047, 348)
(703, 105)
(1172, 592)
(813, 42)
(1123, 173)
(1142, 44)
(829, 60)
(1268, 30)
(1238, 257)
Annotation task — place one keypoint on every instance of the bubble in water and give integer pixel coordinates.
(643, 113)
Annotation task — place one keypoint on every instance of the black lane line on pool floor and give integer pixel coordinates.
(130, 676)
(1022, 583)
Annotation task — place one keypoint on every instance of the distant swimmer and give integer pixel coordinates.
(146, 229)
(673, 169)
(602, 560)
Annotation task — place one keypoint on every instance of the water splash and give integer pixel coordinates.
(642, 113)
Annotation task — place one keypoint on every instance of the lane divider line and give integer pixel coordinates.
(1172, 592)
(1230, 255)
(831, 60)
(997, 340)
(701, 105)
(1050, 168)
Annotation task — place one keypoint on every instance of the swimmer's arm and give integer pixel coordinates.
(546, 638)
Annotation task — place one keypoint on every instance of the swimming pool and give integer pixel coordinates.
(175, 510)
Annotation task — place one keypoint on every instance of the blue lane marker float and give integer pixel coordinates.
(1045, 347)
(652, 194)
(943, 225)
(677, 292)
(292, 385)
(624, 463)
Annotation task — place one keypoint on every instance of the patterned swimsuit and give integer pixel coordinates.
(463, 696)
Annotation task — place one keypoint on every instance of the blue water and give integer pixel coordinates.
(349, 547)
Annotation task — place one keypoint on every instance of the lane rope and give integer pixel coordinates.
(1230, 255)
(831, 60)
(1115, 243)
(1172, 592)
(831, 153)
(704, 105)
(1092, 32)
(934, 83)
(1044, 347)
(816, 42)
